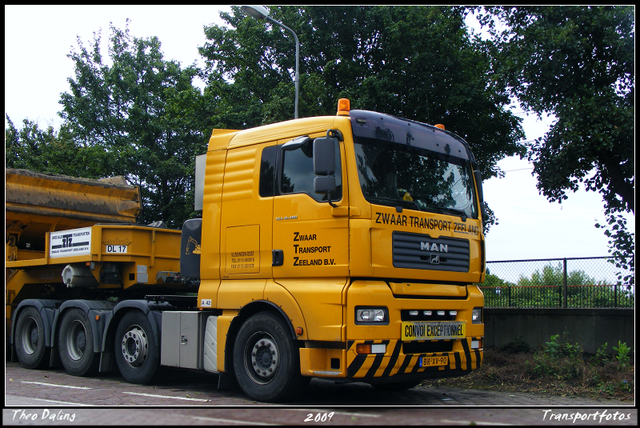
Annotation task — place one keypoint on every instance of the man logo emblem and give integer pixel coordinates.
(435, 259)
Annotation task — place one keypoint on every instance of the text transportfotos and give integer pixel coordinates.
(598, 416)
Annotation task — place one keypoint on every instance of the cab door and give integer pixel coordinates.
(310, 230)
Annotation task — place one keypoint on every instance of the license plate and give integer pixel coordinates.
(433, 330)
(116, 249)
(434, 361)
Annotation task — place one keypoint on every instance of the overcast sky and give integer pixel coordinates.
(38, 39)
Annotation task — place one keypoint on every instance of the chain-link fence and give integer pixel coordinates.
(587, 282)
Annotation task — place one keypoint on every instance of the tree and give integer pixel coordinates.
(578, 64)
(144, 113)
(148, 120)
(50, 151)
(415, 62)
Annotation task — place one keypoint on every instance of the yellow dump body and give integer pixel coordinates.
(37, 203)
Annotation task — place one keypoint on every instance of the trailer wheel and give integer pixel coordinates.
(30, 339)
(137, 353)
(75, 344)
(266, 360)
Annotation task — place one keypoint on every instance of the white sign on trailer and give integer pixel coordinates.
(68, 243)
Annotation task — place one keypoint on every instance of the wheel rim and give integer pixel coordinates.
(262, 358)
(135, 346)
(30, 336)
(76, 341)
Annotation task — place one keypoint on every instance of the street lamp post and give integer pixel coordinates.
(261, 12)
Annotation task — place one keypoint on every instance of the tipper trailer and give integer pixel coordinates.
(341, 247)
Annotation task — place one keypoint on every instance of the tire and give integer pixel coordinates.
(266, 359)
(136, 348)
(75, 344)
(30, 340)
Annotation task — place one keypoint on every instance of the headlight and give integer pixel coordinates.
(476, 316)
(378, 316)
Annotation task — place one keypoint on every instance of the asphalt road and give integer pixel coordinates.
(52, 397)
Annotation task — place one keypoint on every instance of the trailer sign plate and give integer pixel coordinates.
(116, 249)
(69, 243)
(433, 330)
(434, 361)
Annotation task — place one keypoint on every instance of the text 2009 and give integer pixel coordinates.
(319, 417)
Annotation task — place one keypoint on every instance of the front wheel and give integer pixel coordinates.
(136, 349)
(76, 344)
(266, 360)
(30, 339)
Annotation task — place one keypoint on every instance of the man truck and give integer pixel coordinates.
(341, 247)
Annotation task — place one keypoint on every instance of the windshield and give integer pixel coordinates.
(396, 174)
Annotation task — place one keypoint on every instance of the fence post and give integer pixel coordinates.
(564, 283)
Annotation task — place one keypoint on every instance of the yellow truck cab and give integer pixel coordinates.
(341, 247)
(362, 231)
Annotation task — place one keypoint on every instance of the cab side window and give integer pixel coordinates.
(297, 173)
(268, 172)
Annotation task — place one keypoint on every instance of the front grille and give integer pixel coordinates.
(417, 251)
(427, 315)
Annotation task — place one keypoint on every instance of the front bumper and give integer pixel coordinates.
(377, 353)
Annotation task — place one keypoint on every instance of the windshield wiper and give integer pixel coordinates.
(395, 202)
(443, 210)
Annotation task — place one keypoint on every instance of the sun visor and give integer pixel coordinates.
(368, 124)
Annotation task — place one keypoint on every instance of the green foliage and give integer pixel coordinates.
(144, 114)
(558, 367)
(545, 288)
(50, 151)
(623, 354)
(139, 115)
(601, 356)
(561, 347)
(415, 62)
(576, 63)
(622, 247)
(496, 291)
(542, 289)
(135, 114)
(559, 358)
(564, 361)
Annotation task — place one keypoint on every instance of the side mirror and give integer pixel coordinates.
(324, 155)
(324, 165)
(478, 178)
(324, 184)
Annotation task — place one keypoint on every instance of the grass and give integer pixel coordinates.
(557, 368)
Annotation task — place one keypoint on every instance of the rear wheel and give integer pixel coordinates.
(266, 359)
(75, 344)
(137, 353)
(30, 339)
